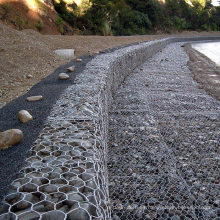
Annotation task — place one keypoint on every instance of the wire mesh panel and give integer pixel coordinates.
(164, 152)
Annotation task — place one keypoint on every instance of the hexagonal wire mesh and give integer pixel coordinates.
(64, 176)
(164, 152)
(59, 181)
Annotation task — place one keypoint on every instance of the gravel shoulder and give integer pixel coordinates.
(204, 71)
(28, 52)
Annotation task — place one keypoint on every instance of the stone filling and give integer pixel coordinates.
(66, 172)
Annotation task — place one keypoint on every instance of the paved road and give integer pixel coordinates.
(164, 153)
(211, 50)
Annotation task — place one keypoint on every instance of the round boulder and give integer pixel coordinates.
(10, 137)
(63, 76)
(24, 116)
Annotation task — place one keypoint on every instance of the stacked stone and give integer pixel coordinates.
(66, 174)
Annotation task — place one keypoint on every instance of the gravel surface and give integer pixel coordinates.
(164, 143)
(204, 71)
(28, 52)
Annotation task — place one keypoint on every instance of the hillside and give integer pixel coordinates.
(27, 57)
(32, 14)
(110, 17)
(25, 52)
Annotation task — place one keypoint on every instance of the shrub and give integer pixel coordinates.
(26, 9)
(19, 23)
(59, 23)
(39, 25)
(26, 24)
(6, 7)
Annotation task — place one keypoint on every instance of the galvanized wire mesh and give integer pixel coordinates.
(164, 152)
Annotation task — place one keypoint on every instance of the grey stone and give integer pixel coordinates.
(91, 184)
(14, 198)
(48, 188)
(91, 209)
(43, 206)
(29, 216)
(53, 215)
(21, 206)
(75, 197)
(8, 216)
(29, 187)
(78, 214)
(86, 176)
(115, 217)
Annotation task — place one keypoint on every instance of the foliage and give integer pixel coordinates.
(39, 25)
(59, 23)
(19, 23)
(40, 4)
(129, 17)
(64, 13)
(26, 24)
(5, 6)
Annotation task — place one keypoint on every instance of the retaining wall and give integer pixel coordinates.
(66, 173)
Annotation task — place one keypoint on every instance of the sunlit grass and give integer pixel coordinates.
(34, 4)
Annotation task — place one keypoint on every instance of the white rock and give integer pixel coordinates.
(29, 76)
(66, 53)
(34, 98)
(78, 60)
(63, 76)
(10, 137)
(71, 68)
(24, 116)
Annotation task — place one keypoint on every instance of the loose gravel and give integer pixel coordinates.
(164, 152)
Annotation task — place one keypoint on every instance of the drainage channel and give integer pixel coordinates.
(163, 156)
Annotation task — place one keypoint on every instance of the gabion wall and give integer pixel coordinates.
(164, 144)
(65, 176)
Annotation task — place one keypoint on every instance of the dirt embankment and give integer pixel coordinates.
(32, 14)
(27, 52)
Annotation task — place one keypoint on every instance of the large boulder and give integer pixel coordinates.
(24, 116)
(10, 137)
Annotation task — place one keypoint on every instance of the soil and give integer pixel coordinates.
(25, 14)
(28, 52)
(204, 71)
